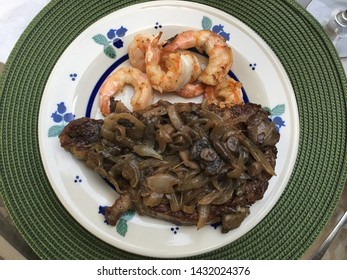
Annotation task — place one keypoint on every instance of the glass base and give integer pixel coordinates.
(323, 11)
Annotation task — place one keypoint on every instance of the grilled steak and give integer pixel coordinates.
(190, 164)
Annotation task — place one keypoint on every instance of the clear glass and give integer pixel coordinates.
(332, 15)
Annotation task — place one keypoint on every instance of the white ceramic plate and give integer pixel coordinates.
(70, 93)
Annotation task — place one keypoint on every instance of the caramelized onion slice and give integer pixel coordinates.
(187, 161)
(257, 154)
(194, 183)
(162, 183)
(175, 203)
(203, 212)
(153, 199)
(136, 131)
(175, 117)
(211, 196)
(131, 172)
(146, 151)
(239, 168)
(224, 196)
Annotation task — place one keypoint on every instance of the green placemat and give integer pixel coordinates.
(314, 189)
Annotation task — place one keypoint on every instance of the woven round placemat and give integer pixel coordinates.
(302, 211)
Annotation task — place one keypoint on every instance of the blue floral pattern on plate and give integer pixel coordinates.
(275, 115)
(207, 24)
(61, 117)
(111, 40)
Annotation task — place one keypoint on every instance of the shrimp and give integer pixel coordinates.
(171, 71)
(191, 90)
(114, 83)
(225, 94)
(137, 50)
(219, 53)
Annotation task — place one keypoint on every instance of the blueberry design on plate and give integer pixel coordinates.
(111, 41)
(275, 115)
(207, 24)
(61, 117)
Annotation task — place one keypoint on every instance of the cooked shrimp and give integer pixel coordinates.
(170, 72)
(215, 46)
(137, 50)
(191, 90)
(225, 94)
(114, 83)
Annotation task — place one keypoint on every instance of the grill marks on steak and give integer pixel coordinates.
(83, 138)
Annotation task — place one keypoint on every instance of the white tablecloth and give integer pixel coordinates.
(15, 15)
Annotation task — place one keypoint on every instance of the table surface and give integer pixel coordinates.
(14, 247)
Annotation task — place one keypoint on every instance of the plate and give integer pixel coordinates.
(71, 92)
(316, 77)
